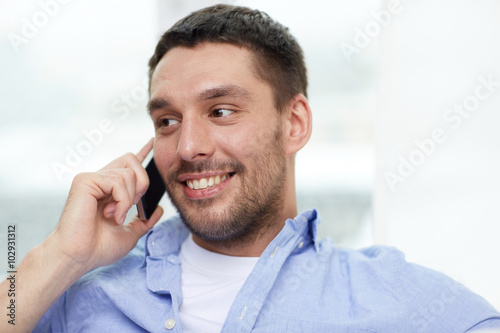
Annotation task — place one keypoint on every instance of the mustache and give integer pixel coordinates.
(205, 166)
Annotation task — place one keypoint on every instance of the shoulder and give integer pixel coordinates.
(372, 272)
(362, 263)
(429, 300)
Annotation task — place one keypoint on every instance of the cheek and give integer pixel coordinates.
(254, 133)
(239, 143)
(164, 154)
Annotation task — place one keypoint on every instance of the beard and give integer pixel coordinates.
(256, 204)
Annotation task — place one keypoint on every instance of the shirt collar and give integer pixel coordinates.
(167, 237)
(304, 227)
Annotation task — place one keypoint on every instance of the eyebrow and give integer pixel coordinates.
(157, 103)
(223, 91)
(229, 90)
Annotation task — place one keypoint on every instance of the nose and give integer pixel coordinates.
(195, 141)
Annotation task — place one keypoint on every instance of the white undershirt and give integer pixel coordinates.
(210, 282)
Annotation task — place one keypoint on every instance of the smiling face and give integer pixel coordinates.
(219, 142)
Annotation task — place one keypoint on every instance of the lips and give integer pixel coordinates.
(205, 185)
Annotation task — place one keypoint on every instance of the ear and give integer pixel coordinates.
(298, 124)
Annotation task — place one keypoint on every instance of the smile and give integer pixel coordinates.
(207, 182)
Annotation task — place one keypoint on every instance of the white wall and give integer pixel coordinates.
(443, 212)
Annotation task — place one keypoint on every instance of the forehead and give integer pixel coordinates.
(190, 69)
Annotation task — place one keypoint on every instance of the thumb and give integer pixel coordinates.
(138, 227)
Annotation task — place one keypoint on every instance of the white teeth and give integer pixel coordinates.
(204, 183)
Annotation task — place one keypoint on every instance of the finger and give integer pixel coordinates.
(129, 177)
(125, 160)
(131, 162)
(142, 176)
(115, 185)
(141, 155)
(134, 162)
(109, 210)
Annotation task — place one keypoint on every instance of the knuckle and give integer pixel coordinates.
(130, 174)
(127, 202)
(115, 177)
(81, 178)
(130, 157)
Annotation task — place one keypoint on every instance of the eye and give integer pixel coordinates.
(219, 113)
(166, 122)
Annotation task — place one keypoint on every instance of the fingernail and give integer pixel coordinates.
(109, 213)
(123, 219)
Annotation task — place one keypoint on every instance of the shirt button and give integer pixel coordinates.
(173, 259)
(169, 324)
(301, 244)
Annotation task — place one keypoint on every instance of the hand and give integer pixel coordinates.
(91, 230)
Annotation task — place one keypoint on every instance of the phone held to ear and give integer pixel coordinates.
(154, 193)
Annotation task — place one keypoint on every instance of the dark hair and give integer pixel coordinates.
(278, 57)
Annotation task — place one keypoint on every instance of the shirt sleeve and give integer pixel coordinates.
(54, 320)
(437, 303)
(486, 325)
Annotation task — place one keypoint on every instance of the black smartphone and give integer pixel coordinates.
(154, 193)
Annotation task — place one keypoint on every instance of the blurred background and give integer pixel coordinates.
(405, 99)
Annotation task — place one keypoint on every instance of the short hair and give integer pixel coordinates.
(278, 58)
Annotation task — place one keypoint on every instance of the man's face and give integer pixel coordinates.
(218, 141)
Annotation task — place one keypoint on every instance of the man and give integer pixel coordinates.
(228, 101)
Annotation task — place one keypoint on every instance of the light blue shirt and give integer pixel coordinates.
(299, 284)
